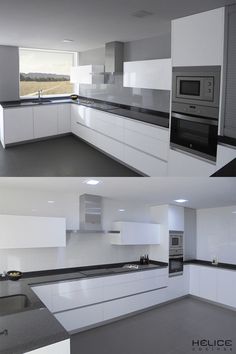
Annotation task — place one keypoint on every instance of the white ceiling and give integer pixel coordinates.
(200, 192)
(91, 23)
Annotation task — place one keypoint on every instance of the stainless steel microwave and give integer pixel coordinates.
(196, 85)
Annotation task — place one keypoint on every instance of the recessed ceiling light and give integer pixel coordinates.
(180, 200)
(92, 182)
(121, 210)
(67, 40)
(234, 212)
(51, 201)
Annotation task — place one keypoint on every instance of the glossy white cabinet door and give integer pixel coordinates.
(134, 233)
(87, 74)
(178, 286)
(198, 39)
(148, 74)
(226, 287)
(45, 121)
(32, 232)
(176, 218)
(18, 124)
(194, 280)
(145, 163)
(207, 283)
(183, 165)
(64, 121)
(225, 154)
(80, 318)
(62, 347)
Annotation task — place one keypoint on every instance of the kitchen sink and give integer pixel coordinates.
(14, 303)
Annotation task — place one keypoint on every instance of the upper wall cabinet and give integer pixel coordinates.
(199, 39)
(31, 232)
(134, 233)
(87, 74)
(148, 74)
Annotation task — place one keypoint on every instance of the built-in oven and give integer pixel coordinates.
(176, 265)
(196, 135)
(195, 110)
(175, 253)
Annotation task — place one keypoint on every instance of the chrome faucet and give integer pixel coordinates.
(39, 94)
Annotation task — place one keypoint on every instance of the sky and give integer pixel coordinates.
(45, 62)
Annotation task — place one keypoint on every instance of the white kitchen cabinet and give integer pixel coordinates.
(150, 139)
(148, 74)
(134, 233)
(106, 123)
(32, 232)
(62, 347)
(198, 39)
(87, 74)
(145, 163)
(225, 154)
(17, 125)
(45, 121)
(81, 303)
(181, 164)
(80, 318)
(178, 285)
(226, 287)
(194, 280)
(208, 283)
(176, 218)
(63, 119)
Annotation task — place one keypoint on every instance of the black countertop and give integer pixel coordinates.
(35, 326)
(141, 114)
(229, 170)
(209, 264)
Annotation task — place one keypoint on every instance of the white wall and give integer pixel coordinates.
(216, 234)
(82, 249)
(9, 73)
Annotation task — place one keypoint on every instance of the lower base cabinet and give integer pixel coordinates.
(80, 304)
(218, 285)
(182, 165)
(62, 347)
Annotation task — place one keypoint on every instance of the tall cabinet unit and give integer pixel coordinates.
(196, 40)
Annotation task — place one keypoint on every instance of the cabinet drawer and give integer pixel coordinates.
(79, 318)
(146, 129)
(149, 144)
(70, 300)
(147, 164)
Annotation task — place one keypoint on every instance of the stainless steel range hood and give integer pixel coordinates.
(90, 213)
(114, 57)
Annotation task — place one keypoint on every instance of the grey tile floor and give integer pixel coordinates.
(60, 157)
(168, 329)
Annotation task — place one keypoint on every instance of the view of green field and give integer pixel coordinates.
(30, 88)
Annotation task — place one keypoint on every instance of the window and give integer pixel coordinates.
(45, 70)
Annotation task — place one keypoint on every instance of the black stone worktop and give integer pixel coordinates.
(35, 326)
(141, 114)
(209, 264)
(229, 170)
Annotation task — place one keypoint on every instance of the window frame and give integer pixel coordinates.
(75, 63)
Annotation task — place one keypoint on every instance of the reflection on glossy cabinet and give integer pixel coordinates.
(62, 347)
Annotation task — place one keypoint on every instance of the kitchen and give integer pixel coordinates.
(117, 264)
(153, 96)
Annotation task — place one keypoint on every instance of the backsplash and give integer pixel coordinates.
(158, 100)
(145, 49)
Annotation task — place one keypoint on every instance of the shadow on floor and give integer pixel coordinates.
(59, 157)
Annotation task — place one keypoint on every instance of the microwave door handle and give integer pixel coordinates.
(194, 119)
